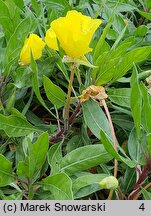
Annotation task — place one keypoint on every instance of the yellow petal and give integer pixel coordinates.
(51, 39)
(75, 32)
(32, 44)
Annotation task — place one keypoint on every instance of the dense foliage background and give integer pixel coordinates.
(39, 158)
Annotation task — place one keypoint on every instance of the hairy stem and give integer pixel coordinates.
(67, 106)
(114, 142)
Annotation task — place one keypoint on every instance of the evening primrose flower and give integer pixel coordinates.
(32, 44)
(74, 33)
(51, 39)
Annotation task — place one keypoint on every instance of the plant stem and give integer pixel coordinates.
(114, 143)
(58, 120)
(67, 106)
(146, 187)
(133, 195)
(62, 131)
(30, 189)
(79, 77)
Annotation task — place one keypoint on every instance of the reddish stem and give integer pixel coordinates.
(141, 179)
(63, 131)
(114, 143)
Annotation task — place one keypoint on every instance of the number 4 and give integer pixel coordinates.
(142, 207)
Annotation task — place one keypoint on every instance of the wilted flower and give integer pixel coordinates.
(74, 33)
(97, 93)
(51, 39)
(32, 44)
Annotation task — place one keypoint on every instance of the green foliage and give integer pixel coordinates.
(35, 159)
(42, 155)
(106, 71)
(109, 148)
(84, 158)
(95, 118)
(54, 93)
(60, 186)
(136, 105)
(138, 148)
(6, 173)
(87, 184)
(120, 96)
(14, 126)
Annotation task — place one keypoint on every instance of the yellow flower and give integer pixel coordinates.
(51, 39)
(35, 44)
(74, 33)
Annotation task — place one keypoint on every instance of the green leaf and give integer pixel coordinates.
(37, 154)
(123, 121)
(137, 147)
(84, 158)
(129, 180)
(146, 109)
(120, 37)
(114, 66)
(54, 93)
(101, 41)
(16, 42)
(148, 4)
(58, 5)
(95, 118)
(87, 184)
(33, 163)
(146, 194)
(5, 20)
(60, 185)
(58, 62)
(136, 105)
(36, 7)
(19, 3)
(108, 61)
(141, 31)
(149, 142)
(105, 47)
(75, 142)
(15, 126)
(145, 14)
(120, 96)
(6, 173)
(35, 82)
(134, 56)
(11, 101)
(23, 168)
(15, 13)
(54, 157)
(108, 145)
(22, 77)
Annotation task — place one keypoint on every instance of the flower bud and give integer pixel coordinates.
(109, 183)
(32, 44)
